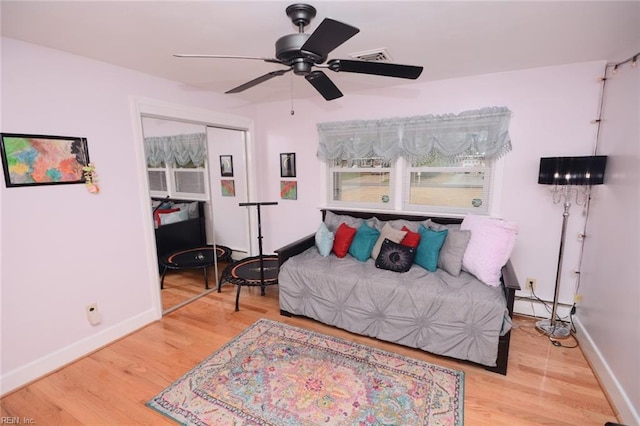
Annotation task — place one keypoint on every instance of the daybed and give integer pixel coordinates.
(179, 224)
(454, 316)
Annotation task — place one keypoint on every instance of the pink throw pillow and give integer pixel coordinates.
(492, 241)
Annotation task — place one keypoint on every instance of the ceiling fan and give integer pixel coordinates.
(301, 52)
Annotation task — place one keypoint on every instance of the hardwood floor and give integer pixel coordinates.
(545, 385)
(182, 286)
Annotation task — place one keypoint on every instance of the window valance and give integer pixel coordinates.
(176, 150)
(482, 132)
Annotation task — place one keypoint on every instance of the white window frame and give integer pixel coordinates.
(390, 205)
(154, 193)
(172, 192)
(483, 209)
(399, 183)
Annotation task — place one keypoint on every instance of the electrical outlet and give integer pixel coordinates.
(530, 284)
(93, 315)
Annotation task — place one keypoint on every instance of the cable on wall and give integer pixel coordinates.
(615, 68)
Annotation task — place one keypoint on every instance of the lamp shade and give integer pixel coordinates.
(572, 170)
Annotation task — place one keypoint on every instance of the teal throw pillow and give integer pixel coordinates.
(363, 242)
(324, 240)
(429, 248)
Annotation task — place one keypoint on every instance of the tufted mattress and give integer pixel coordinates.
(459, 317)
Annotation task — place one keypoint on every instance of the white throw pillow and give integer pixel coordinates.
(491, 243)
(389, 233)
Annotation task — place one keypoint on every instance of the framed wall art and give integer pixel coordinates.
(226, 165)
(288, 164)
(228, 187)
(289, 189)
(30, 160)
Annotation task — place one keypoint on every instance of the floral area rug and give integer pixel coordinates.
(277, 374)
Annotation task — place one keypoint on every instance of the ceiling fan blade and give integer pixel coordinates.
(190, 55)
(323, 85)
(329, 35)
(375, 68)
(256, 81)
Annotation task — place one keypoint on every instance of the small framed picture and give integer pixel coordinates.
(288, 164)
(226, 165)
(289, 189)
(228, 187)
(30, 160)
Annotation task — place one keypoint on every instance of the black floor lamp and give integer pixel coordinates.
(568, 175)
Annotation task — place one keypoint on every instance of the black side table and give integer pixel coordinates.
(194, 258)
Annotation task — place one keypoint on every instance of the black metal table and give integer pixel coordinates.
(194, 258)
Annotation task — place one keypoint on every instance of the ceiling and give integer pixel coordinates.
(449, 38)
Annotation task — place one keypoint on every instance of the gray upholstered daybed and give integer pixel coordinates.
(454, 316)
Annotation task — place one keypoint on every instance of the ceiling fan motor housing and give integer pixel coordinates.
(288, 52)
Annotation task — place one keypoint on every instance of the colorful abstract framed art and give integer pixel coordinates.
(30, 160)
(289, 189)
(228, 187)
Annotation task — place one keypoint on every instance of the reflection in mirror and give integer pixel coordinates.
(177, 168)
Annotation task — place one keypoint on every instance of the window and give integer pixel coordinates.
(364, 183)
(437, 163)
(176, 182)
(190, 181)
(158, 182)
(454, 187)
(177, 166)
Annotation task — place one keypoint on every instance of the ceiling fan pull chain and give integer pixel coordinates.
(292, 111)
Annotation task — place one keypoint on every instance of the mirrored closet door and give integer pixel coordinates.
(177, 169)
(197, 177)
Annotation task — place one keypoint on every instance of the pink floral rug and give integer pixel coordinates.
(277, 374)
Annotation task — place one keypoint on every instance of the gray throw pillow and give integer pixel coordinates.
(333, 220)
(453, 249)
(452, 252)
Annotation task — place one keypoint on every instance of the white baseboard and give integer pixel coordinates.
(537, 309)
(627, 413)
(47, 364)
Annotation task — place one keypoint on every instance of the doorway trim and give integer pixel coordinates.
(140, 107)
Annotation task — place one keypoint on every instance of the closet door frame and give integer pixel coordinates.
(161, 109)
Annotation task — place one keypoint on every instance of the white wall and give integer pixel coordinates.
(64, 248)
(231, 221)
(609, 313)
